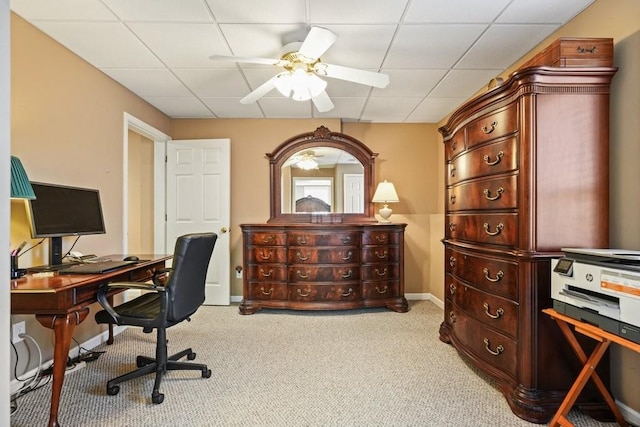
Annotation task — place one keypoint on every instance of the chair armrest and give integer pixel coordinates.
(103, 297)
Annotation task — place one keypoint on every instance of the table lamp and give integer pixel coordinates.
(385, 193)
(20, 185)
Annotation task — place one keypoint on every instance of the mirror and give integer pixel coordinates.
(322, 176)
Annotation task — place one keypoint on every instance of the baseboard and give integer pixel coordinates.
(236, 298)
(425, 297)
(631, 415)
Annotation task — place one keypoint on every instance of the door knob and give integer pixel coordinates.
(224, 230)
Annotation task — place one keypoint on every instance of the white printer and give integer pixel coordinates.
(600, 287)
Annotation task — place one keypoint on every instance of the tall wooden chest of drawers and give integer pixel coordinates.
(526, 168)
(323, 266)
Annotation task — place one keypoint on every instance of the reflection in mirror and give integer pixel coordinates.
(322, 179)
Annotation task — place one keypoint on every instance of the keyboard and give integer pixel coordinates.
(96, 267)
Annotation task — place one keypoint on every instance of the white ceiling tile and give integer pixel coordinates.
(463, 83)
(232, 108)
(284, 108)
(393, 107)
(412, 83)
(431, 46)
(168, 41)
(214, 83)
(454, 11)
(257, 40)
(344, 108)
(180, 106)
(153, 82)
(542, 11)
(356, 11)
(102, 44)
(359, 46)
(160, 10)
(258, 11)
(342, 88)
(431, 110)
(66, 10)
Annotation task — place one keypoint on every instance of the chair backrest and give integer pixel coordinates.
(187, 279)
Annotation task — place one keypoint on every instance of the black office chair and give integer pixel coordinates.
(168, 303)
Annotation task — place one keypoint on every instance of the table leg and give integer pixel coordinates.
(63, 327)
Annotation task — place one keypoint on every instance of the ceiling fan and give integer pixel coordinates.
(301, 78)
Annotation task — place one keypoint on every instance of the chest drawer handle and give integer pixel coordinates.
(267, 239)
(499, 349)
(266, 292)
(452, 199)
(487, 194)
(349, 292)
(453, 145)
(303, 295)
(488, 129)
(346, 239)
(452, 289)
(265, 256)
(347, 274)
(499, 312)
(302, 275)
(382, 255)
(302, 257)
(268, 274)
(382, 238)
(452, 226)
(381, 273)
(499, 275)
(452, 171)
(382, 291)
(347, 256)
(580, 49)
(488, 161)
(452, 317)
(302, 240)
(499, 228)
(452, 261)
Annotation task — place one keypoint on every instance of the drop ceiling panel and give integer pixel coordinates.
(63, 10)
(356, 11)
(346, 108)
(160, 10)
(458, 11)
(149, 82)
(542, 11)
(462, 83)
(257, 40)
(180, 106)
(377, 108)
(360, 46)
(231, 107)
(410, 83)
(214, 83)
(258, 11)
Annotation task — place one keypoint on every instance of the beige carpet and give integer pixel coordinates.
(370, 367)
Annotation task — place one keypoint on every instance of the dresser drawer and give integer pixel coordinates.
(376, 290)
(310, 273)
(495, 158)
(268, 239)
(377, 254)
(493, 229)
(381, 272)
(337, 255)
(492, 347)
(267, 254)
(330, 239)
(495, 125)
(266, 272)
(455, 145)
(325, 292)
(575, 52)
(381, 237)
(267, 291)
(489, 274)
(494, 193)
(494, 311)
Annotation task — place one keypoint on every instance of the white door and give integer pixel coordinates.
(353, 193)
(198, 200)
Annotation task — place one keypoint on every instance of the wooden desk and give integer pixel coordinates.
(590, 363)
(61, 302)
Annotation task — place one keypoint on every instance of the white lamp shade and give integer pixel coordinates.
(385, 193)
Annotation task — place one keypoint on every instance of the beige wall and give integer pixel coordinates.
(140, 195)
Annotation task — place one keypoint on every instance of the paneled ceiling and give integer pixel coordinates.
(437, 53)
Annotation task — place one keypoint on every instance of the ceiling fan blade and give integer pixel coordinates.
(316, 43)
(322, 102)
(354, 75)
(249, 60)
(260, 91)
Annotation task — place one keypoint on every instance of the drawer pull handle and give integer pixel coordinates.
(302, 240)
(346, 239)
(499, 312)
(499, 275)
(452, 171)
(452, 289)
(487, 194)
(452, 199)
(488, 129)
(382, 291)
(499, 349)
(488, 161)
(452, 261)
(580, 49)
(302, 257)
(301, 275)
(347, 274)
(268, 255)
(349, 292)
(381, 273)
(453, 145)
(347, 257)
(382, 238)
(266, 293)
(263, 274)
(452, 317)
(267, 239)
(452, 226)
(382, 255)
(303, 295)
(499, 228)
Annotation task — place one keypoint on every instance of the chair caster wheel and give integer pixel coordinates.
(157, 397)
(191, 356)
(206, 373)
(112, 391)
(140, 362)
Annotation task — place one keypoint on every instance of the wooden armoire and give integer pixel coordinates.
(527, 166)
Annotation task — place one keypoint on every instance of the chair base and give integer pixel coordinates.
(147, 365)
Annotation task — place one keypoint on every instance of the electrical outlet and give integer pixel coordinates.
(17, 330)
(238, 274)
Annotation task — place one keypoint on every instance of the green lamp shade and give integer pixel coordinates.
(20, 185)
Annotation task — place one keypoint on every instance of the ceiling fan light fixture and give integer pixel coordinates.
(299, 84)
(307, 164)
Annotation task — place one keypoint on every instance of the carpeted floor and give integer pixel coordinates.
(370, 367)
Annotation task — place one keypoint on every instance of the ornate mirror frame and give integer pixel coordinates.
(321, 137)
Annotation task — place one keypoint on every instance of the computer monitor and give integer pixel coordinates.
(59, 211)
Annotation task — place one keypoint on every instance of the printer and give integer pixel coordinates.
(600, 287)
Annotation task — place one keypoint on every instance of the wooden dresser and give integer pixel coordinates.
(526, 174)
(323, 266)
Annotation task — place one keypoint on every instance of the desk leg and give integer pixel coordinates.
(63, 327)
